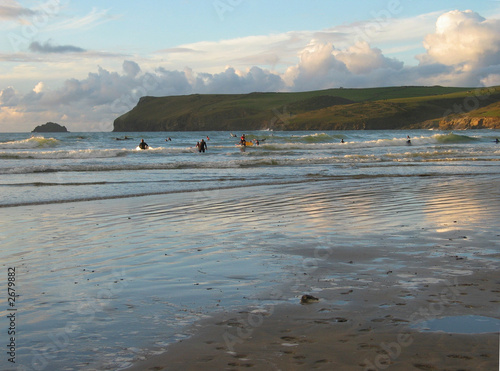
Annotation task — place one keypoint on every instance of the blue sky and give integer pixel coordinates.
(82, 64)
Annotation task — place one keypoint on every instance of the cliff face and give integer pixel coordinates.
(464, 123)
(334, 109)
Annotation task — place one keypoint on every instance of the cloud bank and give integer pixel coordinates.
(464, 50)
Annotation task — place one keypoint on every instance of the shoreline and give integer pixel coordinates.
(370, 300)
(132, 277)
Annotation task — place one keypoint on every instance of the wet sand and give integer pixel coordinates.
(382, 257)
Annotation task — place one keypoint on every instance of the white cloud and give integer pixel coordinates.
(237, 82)
(464, 38)
(317, 67)
(275, 51)
(94, 18)
(361, 59)
(38, 88)
(322, 66)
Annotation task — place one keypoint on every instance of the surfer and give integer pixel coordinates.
(143, 144)
(342, 140)
(497, 141)
(408, 140)
(243, 141)
(202, 146)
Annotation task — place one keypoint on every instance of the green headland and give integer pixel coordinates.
(404, 107)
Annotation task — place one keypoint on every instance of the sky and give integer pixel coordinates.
(84, 63)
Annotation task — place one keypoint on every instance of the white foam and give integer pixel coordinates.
(30, 143)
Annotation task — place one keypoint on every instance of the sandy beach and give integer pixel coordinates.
(383, 258)
(213, 280)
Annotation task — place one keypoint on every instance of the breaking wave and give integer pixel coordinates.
(30, 143)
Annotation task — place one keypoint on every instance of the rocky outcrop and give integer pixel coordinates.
(50, 127)
(465, 122)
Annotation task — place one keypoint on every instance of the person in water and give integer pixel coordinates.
(203, 146)
(342, 140)
(243, 140)
(143, 144)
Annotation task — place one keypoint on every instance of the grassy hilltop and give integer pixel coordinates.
(402, 107)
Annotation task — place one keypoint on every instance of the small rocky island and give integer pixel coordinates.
(50, 127)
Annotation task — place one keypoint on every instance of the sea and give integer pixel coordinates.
(104, 276)
(62, 167)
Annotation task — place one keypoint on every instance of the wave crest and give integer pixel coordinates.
(31, 143)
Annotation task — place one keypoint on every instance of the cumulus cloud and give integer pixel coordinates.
(131, 68)
(8, 97)
(232, 81)
(361, 59)
(467, 45)
(48, 47)
(38, 87)
(317, 67)
(322, 66)
(106, 94)
(464, 38)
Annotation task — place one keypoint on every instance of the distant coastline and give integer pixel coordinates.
(391, 108)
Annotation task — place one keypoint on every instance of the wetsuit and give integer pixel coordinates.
(203, 146)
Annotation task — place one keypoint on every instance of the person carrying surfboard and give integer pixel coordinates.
(143, 144)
